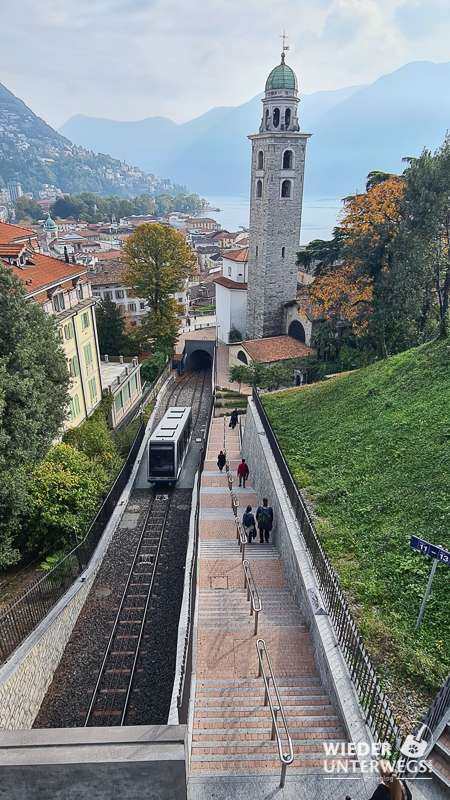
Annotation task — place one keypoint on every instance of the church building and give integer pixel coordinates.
(268, 284)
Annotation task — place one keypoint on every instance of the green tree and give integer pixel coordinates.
(26, 207)
(110, 327)
(320, 254)
(234, 335)
(68, 206)
(33, 399)
(157, 261)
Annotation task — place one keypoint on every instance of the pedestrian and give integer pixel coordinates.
(242, 472)
(233, 419)
(248, 521)
(188, 321)
(221, 460)
(264, 515)
(391, 787)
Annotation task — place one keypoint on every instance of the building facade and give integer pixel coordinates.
(277, 172)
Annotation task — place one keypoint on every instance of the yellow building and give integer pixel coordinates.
(63, 291)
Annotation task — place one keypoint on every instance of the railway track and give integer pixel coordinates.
(112, 700)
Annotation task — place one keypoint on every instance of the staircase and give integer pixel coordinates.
(440, 759)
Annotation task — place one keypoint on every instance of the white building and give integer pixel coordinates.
(231, 293)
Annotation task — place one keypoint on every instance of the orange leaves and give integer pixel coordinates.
(340, 294)
(371, 212)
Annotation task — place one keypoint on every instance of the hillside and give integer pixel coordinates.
(34, 154)
(211, 152)
(355, 130)
(371, 450)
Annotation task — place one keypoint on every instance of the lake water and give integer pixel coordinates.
(319, 214)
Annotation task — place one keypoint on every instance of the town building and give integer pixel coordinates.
(231, 293)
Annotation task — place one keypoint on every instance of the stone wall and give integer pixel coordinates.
(266, 480)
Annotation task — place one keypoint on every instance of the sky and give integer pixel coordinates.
(132, 59)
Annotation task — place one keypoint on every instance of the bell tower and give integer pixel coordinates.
(278, 165)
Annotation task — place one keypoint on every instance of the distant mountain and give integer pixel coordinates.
(355, 130)
(210, 152)
(34, 154)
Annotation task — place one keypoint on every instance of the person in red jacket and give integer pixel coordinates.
(242, 472)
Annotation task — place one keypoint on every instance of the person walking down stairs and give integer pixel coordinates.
(264, 515)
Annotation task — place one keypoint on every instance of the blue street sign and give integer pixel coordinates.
(432, 550)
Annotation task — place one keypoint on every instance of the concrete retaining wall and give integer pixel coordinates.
(94, 763)
(266, 480)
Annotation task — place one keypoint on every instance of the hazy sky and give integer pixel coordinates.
(131, 59)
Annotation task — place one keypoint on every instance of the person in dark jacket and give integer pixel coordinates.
(248, 521)
(242, 472)
(391, 787)
(233, 419)
(221, 460)
(264, 515)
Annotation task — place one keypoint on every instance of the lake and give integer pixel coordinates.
(318, 218)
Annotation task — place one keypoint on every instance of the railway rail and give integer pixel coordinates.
(112, 695)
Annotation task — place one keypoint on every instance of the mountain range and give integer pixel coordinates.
(355, 130)
(34, 154)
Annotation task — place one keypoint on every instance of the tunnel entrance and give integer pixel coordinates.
(198, 354)
(199, 360)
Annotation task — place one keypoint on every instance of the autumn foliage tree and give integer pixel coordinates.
(157, 262)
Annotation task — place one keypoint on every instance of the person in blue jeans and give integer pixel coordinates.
(264, 516)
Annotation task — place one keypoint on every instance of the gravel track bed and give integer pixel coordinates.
(67, 699)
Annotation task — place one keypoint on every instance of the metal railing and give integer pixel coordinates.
(288, 757)
(439, 707)
(23, 615)
(372, 698)
(183, 695)
(240, 536)
(252, 592)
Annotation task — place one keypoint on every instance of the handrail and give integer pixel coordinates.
(285, 758)
(252, 593)
(234, 502)
(241, 536)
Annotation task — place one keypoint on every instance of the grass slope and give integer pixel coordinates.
(371, 449)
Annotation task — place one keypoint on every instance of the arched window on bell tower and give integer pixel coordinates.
(259, 188)
(260, 160)
(288, 158)
(287, 118)
(286, 189)
(276, 117)
(267, 119)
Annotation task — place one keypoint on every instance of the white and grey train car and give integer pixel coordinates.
(168, 445)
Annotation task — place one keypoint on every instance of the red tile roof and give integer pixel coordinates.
(236, 255)
(12, 250)
(276, 348)
(47, 271)
(110, 272)
(229, 284)
(9, 233)
(106, 255)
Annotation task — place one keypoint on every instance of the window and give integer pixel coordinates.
(229, 271)
(256, 251)
(259, 188)
(126, 392)
(142, 305)
(119, 294)
(88, 355)
(242, 357)
(75, 366)
(107, 294)
(131, 306)
(96, 294)
(267, 119)
(286, 188)
(68, 330)
(276, 117)
(85, 321)
(287, 159)
(71, 410)
(58, 302)
(118, 402)
(133, 383)
(260, 160)
(76, 403)
(92, 389)
(283, 250)
(287, 117)
(79, 288)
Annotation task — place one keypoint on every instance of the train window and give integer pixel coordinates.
(161, 460)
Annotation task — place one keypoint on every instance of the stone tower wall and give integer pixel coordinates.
(274, 225)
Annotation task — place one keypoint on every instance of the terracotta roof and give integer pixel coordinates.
(110, 272)
(12, 250)
(236, 255)
(10, 233)
(106, 255)
(229, 284)
(277, 348)
(47, 271)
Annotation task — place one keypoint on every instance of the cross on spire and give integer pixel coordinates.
(285, 46)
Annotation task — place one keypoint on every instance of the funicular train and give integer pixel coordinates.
(168, 445)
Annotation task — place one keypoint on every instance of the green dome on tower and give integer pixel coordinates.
(49, 224)
(282, 77)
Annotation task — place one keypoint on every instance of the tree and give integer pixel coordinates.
(27, 208)
(110, 327)
(340, 294)
(33, 400)
(68, 206)
(234, 335)
(320, 254)
(157, 261)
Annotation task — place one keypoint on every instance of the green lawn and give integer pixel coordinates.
(371, 451)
